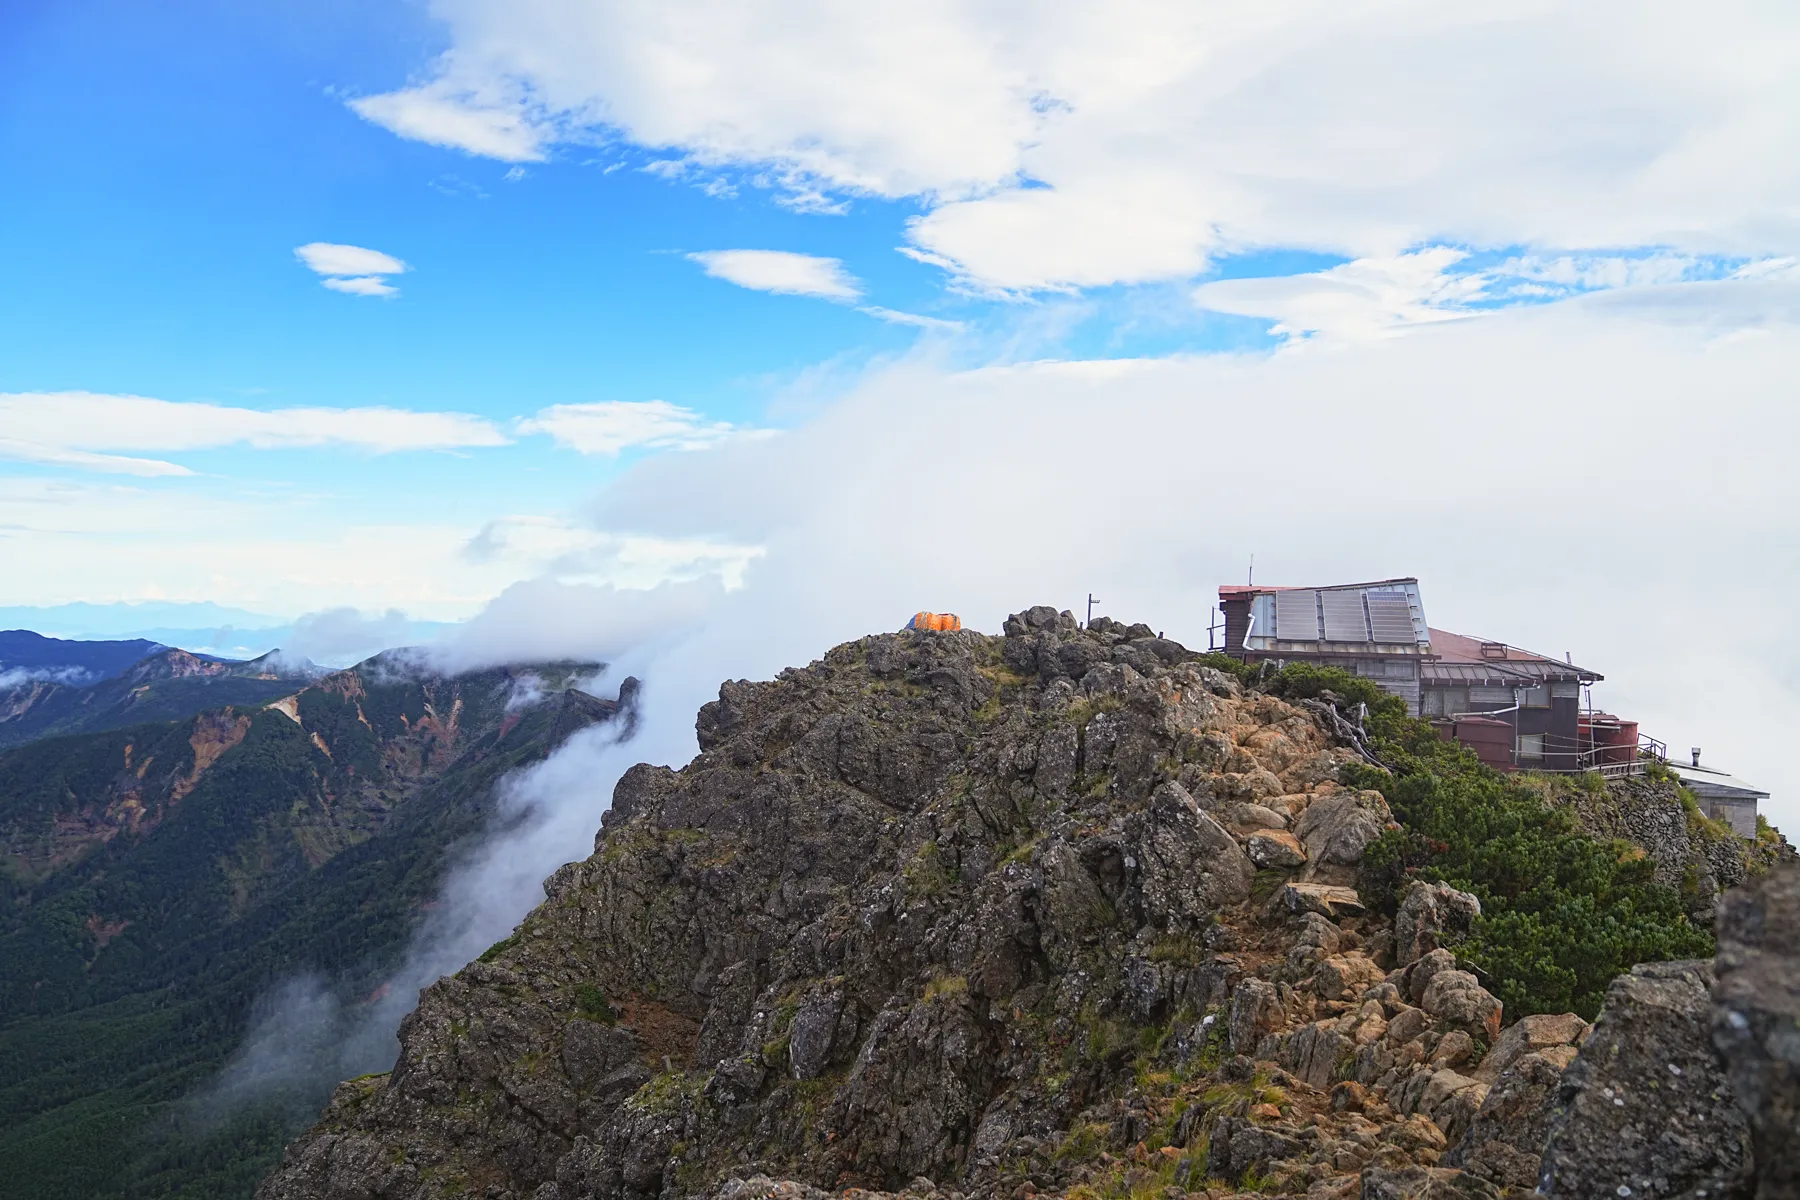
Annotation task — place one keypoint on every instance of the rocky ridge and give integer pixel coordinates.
(1067, 911)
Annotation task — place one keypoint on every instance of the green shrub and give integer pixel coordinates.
(1561, 913)
(591, 1002)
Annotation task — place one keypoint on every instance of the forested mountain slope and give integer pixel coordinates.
(23, 652)
(156, 878)
(165, 685)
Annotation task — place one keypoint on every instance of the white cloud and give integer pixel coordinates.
(1064, 144)
(362, 285)
(611, 426)
(576, 553)
(354, 270)
(328, 258)
(78, 429)
(444, 115)
(782, 272)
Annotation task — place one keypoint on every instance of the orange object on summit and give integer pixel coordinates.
(935, 622)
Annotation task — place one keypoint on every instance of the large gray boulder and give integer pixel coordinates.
(1756, 1020)
(1646, 1109)
(1432, 915)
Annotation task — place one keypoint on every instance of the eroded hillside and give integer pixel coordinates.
(157, 878)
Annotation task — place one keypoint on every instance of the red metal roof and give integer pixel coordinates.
(1455, 649)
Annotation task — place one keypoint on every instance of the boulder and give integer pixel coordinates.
(1255, 1012)
(1457, 997)
(1237, 1147)
(1337, 828)
(1756, 1020)
(1536, 1033)
(1275, 848)
(1505, 1141)
(1418, 976)
(1343, 976)
(1327, 900)
(1431, 916)
(1191, 867)
(1646, 1109)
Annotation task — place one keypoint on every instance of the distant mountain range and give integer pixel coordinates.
(337, 638)
(53, 686)
(157, 875)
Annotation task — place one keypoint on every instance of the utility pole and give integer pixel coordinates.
(1090, 615)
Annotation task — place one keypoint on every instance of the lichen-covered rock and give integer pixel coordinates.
(1457, 997)
(1646, 1109)
(1432, 915)
(1275, 848)
(920, 909)
(1337, 828)
(1504, 1142)
(1756, 1020)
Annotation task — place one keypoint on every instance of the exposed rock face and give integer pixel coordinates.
(1756, 1021)
(951, 914)
(1646, 1108)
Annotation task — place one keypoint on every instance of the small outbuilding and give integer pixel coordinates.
(1721, 796)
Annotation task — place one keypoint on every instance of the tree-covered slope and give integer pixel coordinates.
(158, 878)
(166, 685)
(23, 653)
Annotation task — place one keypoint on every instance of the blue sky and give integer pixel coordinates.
(624, 296)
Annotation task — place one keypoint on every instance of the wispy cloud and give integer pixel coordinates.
(611, 426)
(896, 317)
(88, 430)
(446, 114)
(355, 270)
(1382, 296)
(61, 456)
(362, 285)
(782, 272)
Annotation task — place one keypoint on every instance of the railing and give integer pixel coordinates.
(1599, 758)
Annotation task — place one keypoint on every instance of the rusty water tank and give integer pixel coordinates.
(1614, 739)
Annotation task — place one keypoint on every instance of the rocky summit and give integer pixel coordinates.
(1069, 911)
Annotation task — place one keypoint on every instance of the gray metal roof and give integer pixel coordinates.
(1703, 780)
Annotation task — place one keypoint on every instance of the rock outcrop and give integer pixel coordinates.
(1646, 1108)
(952, 915)
(1756, 1021)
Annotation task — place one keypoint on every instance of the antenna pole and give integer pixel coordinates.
(1250, 579)
(1090, 615)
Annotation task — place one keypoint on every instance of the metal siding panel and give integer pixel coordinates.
(1481, 695)
(1344, 617)
(1297, 616)
(1390, 617)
